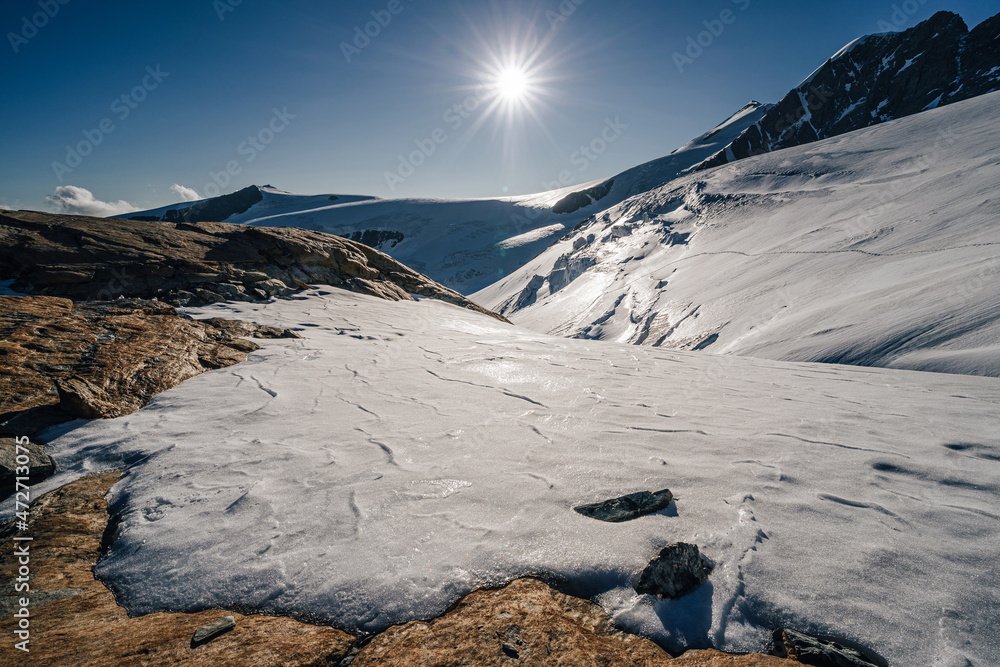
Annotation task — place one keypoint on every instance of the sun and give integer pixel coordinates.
(512, 84)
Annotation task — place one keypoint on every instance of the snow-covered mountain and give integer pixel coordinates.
(652, 174)
(879, 78)
(878, 247)
(463, 244)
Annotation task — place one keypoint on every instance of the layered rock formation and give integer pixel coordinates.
(876, 79)
(194, 264)
(105, 359)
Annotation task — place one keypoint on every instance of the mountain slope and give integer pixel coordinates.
(878, 247)
(652, 174)
(879, 78)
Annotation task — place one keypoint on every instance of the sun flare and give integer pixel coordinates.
(512, 84)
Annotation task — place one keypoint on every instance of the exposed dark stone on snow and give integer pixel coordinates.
(193, 264)
(884, 77)
(207, 633)
(678, 570)
(577, 200)
(819, 652)
(629, 507)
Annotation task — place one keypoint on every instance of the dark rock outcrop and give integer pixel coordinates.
(74, 619)
(678, 570)
(214, 209)
(574, 201)
(810, 650)
(383, 239)
(629, 507)
(194, 263)
(879, 78)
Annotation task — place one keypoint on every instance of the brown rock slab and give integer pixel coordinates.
(195, 263)
(39, 464)
(529, 623)
(104, 359)
(75, 620)
(711, 658)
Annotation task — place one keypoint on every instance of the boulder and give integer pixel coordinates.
(629, 507)
(678, 570)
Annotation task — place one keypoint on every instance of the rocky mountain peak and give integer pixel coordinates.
(879, 78)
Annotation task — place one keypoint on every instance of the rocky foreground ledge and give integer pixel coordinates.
(193, 264)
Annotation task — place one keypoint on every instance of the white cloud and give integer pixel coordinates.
(5, 207)
(72, 200)
(186, 194)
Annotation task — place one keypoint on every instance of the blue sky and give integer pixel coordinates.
(268, 89)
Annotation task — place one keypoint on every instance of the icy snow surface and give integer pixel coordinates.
(403, 454)
(880, 247)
